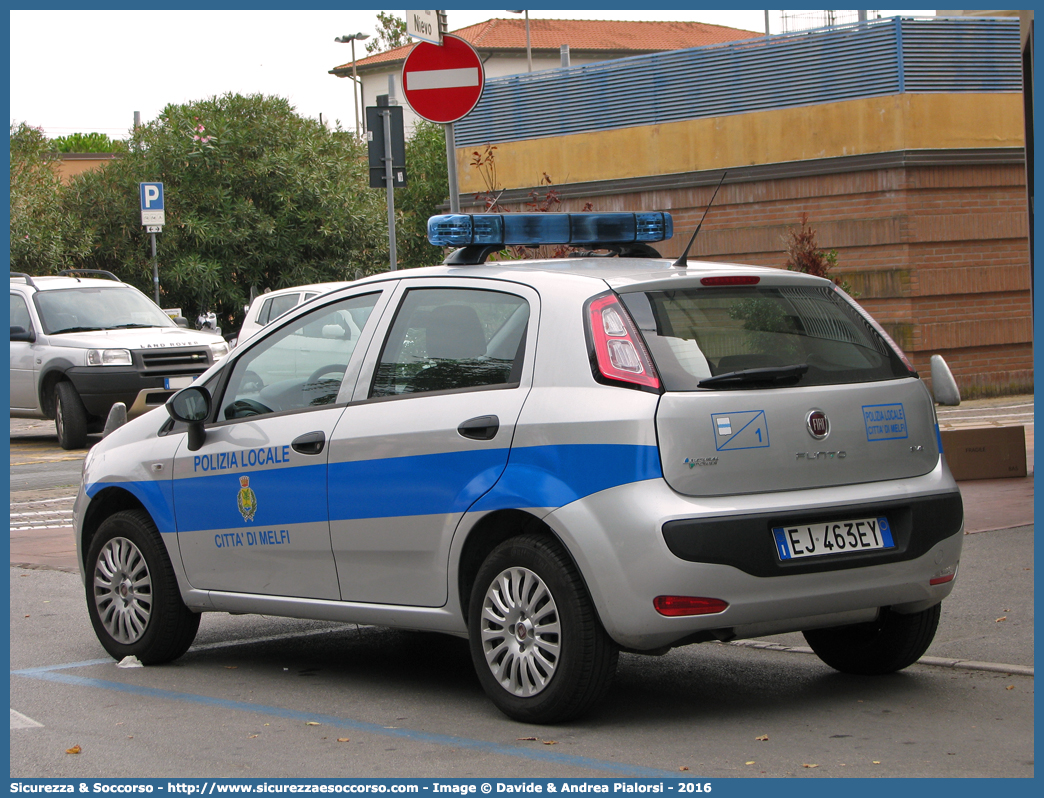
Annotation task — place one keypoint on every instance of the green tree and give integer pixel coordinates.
(87, 142)
(255, 195)
(427, 189)
(390, 34)
(43, 239)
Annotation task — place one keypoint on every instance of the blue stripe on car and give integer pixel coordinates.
(432, 484)
(554, 476)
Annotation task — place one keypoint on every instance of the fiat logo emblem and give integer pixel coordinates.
(818, 425)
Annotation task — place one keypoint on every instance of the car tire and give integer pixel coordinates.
(538, 647)
(132, 593)
(889, 644)
(70, 417)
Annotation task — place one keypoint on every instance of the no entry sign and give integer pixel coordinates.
(442, 84)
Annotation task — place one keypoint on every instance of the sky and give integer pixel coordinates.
(76, 71)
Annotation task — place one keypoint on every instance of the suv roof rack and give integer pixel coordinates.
(26, 277)
(89, 272)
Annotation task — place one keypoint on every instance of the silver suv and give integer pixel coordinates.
(83, 340)
(556, 459)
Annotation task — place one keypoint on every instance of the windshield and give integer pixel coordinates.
(727, 338)
(82, 309)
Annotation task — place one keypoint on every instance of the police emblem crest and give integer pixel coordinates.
(247, 500)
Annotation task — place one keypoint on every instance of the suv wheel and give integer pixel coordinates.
(70, 417)
(132, 592)
(889, 644)
(537, 645)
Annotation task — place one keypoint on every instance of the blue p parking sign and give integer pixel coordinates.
(151, 203)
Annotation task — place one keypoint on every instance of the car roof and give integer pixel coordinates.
(622, 274)
(54, 282)
(321, 288)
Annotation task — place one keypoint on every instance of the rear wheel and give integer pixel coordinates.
(889, 644)
(132, 593)
(70, 417)
(537, 645)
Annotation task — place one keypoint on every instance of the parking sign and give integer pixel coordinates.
(151, 203)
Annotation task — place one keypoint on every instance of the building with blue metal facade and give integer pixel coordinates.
(901, 140)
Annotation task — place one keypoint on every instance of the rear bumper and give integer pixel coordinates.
(743, 542)
(617, 538)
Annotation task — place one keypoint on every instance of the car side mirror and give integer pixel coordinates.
(181, 321)
(944, 386)
(191, 406)
(22, 334)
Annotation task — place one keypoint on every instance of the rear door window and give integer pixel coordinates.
(275, 307)
(450, 339)
(696, 334)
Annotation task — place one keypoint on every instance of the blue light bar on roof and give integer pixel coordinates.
(534, 229)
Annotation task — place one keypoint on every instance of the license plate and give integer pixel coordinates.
(176, 383)
(832, 537)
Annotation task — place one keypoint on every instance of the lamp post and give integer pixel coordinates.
(355, 77)
(529, 50)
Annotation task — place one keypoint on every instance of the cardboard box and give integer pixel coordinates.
(985, 452)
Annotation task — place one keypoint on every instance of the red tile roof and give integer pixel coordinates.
(582, 36)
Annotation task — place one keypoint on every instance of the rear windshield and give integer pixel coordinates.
(806, 335)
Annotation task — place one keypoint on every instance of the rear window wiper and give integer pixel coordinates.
(774, 375)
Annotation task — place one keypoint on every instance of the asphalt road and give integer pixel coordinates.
(243, 702)
(270, 697)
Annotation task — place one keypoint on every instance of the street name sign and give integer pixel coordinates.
(423, 25)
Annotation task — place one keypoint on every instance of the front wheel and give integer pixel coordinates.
(888, 644)
(537, 645)
(132, 593)
(70, 417)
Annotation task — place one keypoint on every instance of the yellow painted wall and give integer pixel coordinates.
(854, 127)
(72, 165)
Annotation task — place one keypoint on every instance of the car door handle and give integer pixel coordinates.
(309, 443)
(482, 428)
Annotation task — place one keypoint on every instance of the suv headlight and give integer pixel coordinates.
(219, 350)
(109, 357)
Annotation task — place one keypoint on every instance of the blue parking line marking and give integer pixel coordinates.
(55, 674)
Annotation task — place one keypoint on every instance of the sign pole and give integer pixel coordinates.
(153, 217)
(392, 255)
(451, 168)
(155, 268)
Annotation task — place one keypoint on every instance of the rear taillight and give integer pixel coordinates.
(620, 355)
(678, 606)
(945, 575)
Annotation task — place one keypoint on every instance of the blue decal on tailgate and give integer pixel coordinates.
(746, 429)
(885, 422)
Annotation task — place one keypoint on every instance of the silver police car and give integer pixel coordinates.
(557, 459)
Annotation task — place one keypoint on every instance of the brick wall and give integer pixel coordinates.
(938, 254)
